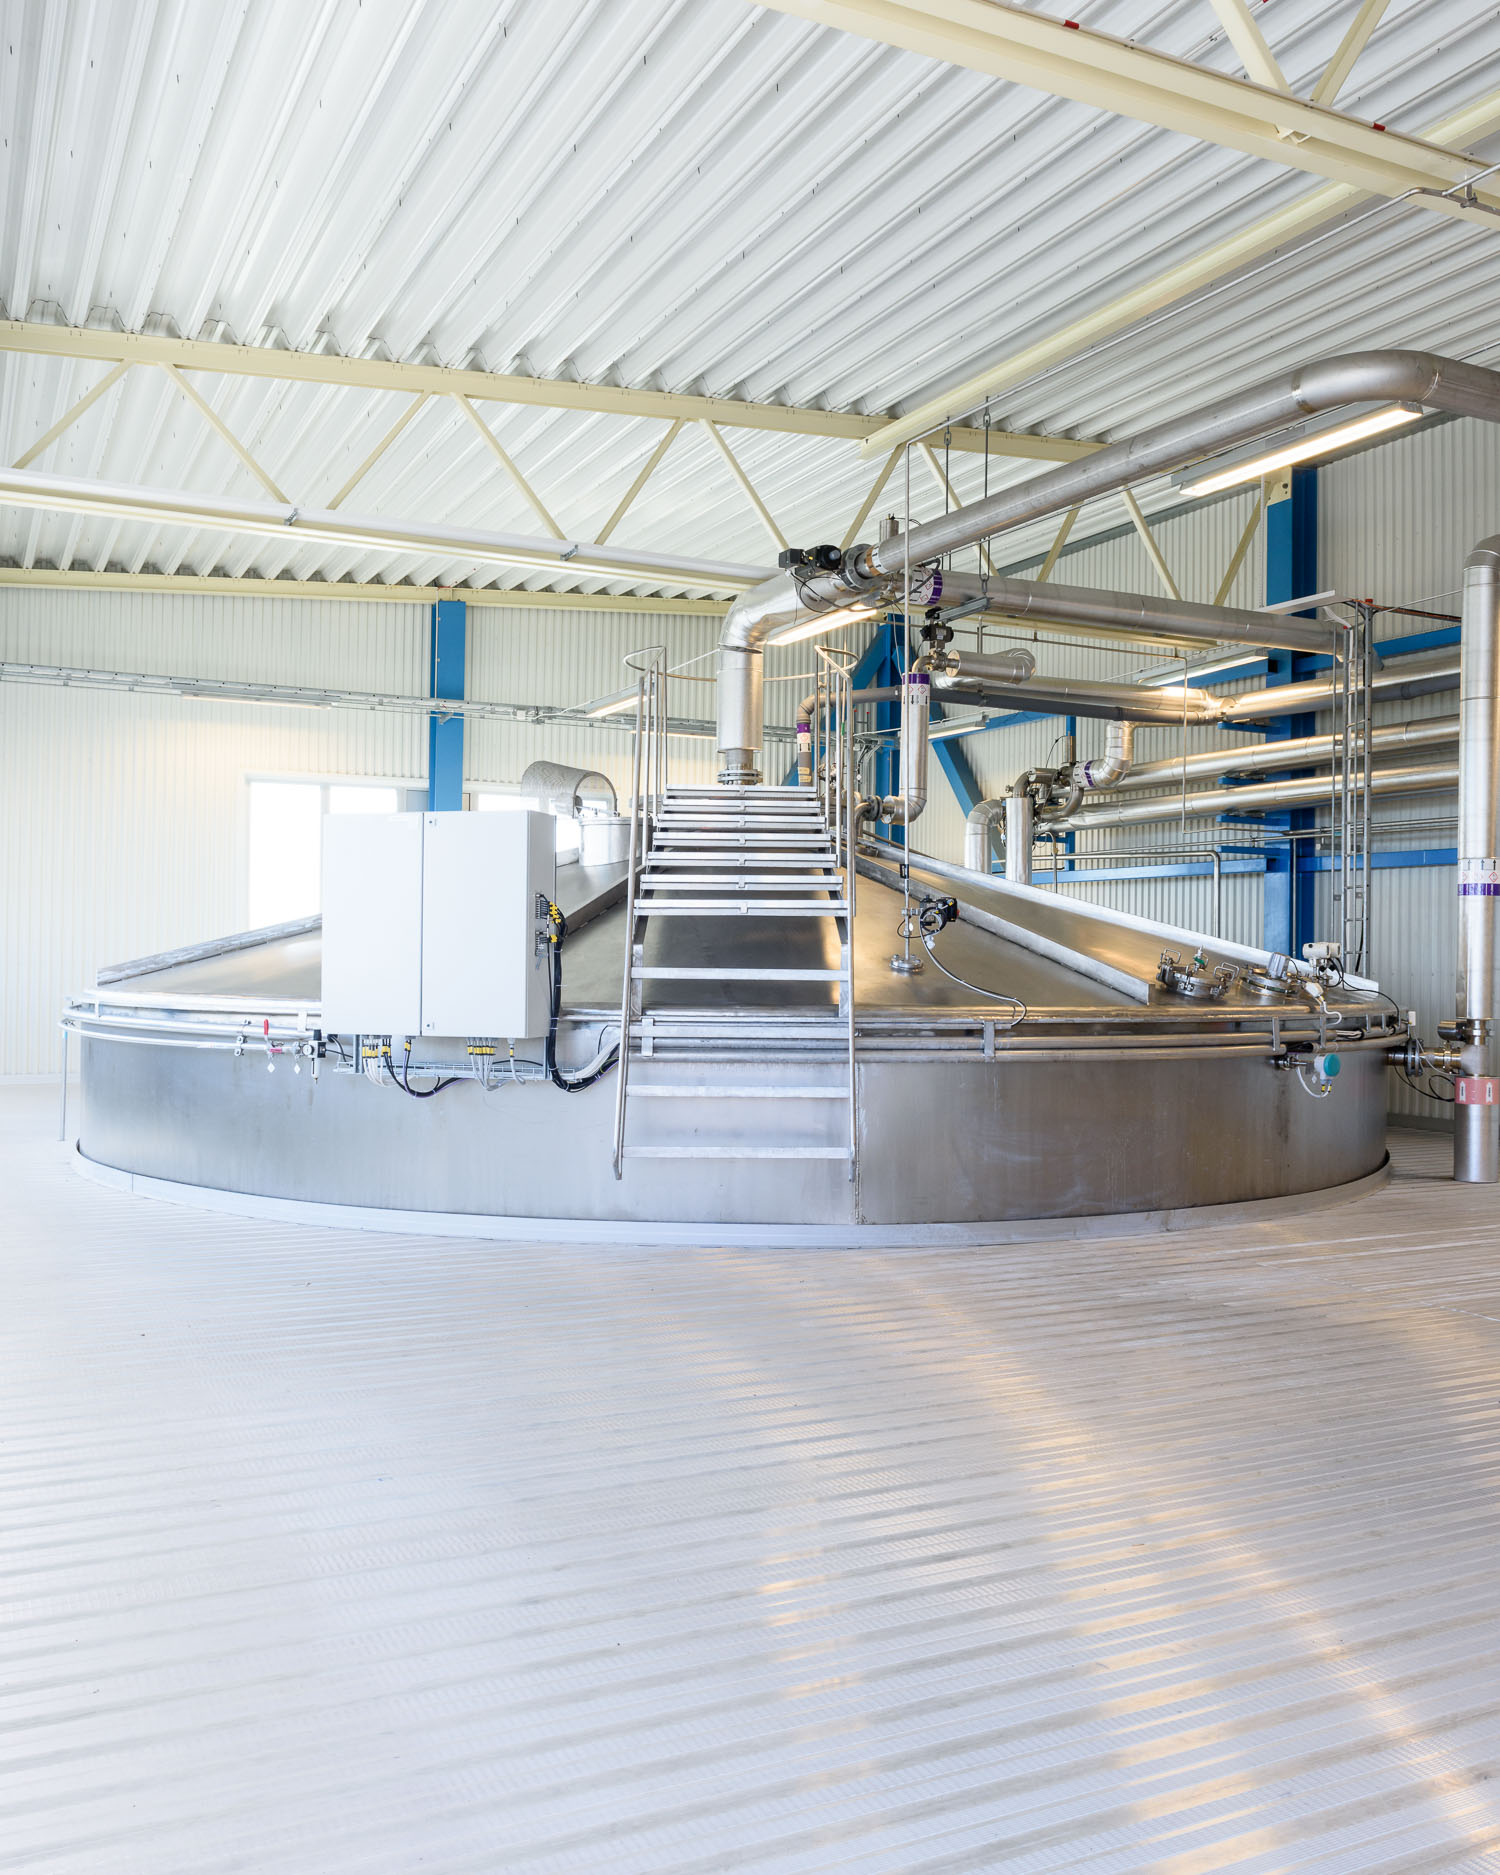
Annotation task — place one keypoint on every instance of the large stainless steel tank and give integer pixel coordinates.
(1115, 1100)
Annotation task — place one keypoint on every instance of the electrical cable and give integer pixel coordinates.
(930, 917)
(421, 1093)
(568, 1083)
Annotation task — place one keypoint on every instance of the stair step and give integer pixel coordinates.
(770, 881)
(737, 1152)
(740, 908)
(739, 1093)
(721, 973)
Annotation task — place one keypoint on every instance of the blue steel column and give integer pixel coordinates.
(445, 678)
(1291, 571)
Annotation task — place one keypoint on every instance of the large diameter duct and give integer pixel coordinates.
(1020, 835)
(985, 679)
(784, 600)
(1153, 618)
(1261, 758)
(1476, 1140)
(561, 789)
(1413, 677)
(1307, 790)
(1408, 377)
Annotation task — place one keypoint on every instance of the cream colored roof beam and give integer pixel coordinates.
(1152, 545)
(1241, 548)
(379, 450)
(221, 429)
(1249, 42)
(882, 476)
(640, 481)
(1353, 43)
(502, 456)
(248, 587)
(1110, 74)
(778, 539)
(70, 416)
(383, 374)
(1177, 283)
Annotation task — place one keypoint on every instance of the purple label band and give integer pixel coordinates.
(1487, 890)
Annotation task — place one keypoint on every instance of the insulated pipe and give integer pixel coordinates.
(782, 600)
(1476, 1142)
(1414, 677)
(979, 831)
(1392, 376)
(561, 789)
(1152, 617)
(880, 693)
(1299, 752)
(916, 708)
(1112, 768)
(982, 679)
(1020, 833)
(1309, 788)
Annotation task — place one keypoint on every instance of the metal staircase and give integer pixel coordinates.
(721, 861)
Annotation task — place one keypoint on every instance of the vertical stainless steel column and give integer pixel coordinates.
(1020, 833)
(1476, 1135)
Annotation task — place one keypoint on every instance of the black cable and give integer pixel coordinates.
(421, 1093)
(569, 1084)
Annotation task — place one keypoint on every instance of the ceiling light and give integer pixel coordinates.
(822, 622)
(1319, 443)
(608, 706)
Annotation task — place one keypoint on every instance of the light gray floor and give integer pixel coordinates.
(326, 1552)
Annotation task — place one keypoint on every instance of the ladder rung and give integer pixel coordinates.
(739, 1093)
(737, 1152)
(718, 973)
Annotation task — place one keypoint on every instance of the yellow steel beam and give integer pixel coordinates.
(1189, 276)
(379, 450)
(1152, 545)
(1237, 558)
(1249, 42)
(221, 429)
(640, 481)
(502, 456)
(1110, 74)
(778, 538)
(379, 374)
(1353, 43)
(221, 586)
(882, 476)
(70, 416)
(1060, 540)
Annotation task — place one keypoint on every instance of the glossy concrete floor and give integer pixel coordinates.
(326, 1553)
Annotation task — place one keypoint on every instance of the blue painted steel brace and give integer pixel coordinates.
(1291, 571)
(445, 734)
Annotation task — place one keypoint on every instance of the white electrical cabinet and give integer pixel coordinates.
(436, 924)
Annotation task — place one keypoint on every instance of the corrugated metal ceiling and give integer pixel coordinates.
(692, 197)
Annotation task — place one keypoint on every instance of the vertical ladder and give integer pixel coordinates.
(720, 856)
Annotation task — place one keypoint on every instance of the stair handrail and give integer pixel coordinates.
(647, 787)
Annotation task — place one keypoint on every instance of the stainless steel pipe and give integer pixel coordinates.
(1020, 835)
(916, 708)
(1476, 1125)
(1392, 376)
(1306, 789)
(1411, 677)
(982, 679)
(1253, 758)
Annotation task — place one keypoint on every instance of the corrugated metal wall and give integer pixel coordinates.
(125, 817)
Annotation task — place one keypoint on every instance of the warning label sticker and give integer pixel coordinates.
(1479, 878)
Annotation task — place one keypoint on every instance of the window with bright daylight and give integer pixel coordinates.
(286, 841)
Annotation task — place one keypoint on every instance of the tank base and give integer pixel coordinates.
(733, 1236)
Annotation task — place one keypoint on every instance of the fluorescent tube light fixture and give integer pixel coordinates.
(1319, 443)
(608, 706)
(834, 621)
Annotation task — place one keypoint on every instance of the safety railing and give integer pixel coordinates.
(648, 784)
